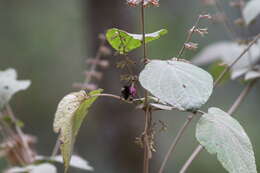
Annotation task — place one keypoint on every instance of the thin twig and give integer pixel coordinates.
(236, 60)
(56, 147)
(189, 36)
(147, 114)
(143, 31)
(8, 133)
(226, 23)
(232, 109)
(97, 58)
(175, 142)
(199, 148)
(21, 135)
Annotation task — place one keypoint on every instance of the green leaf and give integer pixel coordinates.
(251, 11)
(9, 85)
(69, 116)
(221, 134)
(180, 84)
(216, 69)
(124, 42)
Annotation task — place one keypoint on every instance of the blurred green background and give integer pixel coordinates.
(48, 42)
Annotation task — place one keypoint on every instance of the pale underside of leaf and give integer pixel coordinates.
(9, 85)
(227, 52)
(221, 134)
(124, 42)
(69, 116)
(252, 75)
(76, 161)
(41, 168)
(251, 11)
(177, 83)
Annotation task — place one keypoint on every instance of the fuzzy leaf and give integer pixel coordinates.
(238, 73)
(9, 85)
(221, 134)
(252, 75)
(76, 161)
(228, 52)
(177, 83)
(69, 116)
(124, 42)
(251, 11)
(42, 168)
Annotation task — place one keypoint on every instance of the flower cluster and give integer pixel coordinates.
(145, 2)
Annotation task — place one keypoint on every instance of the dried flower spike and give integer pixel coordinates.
(145, 2)
(201, 31)
(191, 46)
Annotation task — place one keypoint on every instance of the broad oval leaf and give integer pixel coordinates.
(124, 42)
(251, 11)
(9, 85)
(69, 116)
(221, 134)
(177, 83)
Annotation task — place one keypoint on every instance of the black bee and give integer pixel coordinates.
(125, 91)
(128, 92)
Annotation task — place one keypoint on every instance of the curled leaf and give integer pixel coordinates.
(125, 42)
(69, 116)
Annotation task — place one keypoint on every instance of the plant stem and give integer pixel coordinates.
(29, 153)
(147, 112)
(175, 142)
(227, 23)
(143, 31)
(97, 58)
(231, 110)
(189, 36)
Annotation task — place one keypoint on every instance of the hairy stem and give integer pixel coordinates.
(231, 110)
(175, 142)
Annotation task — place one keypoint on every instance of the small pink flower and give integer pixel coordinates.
(133, 91)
